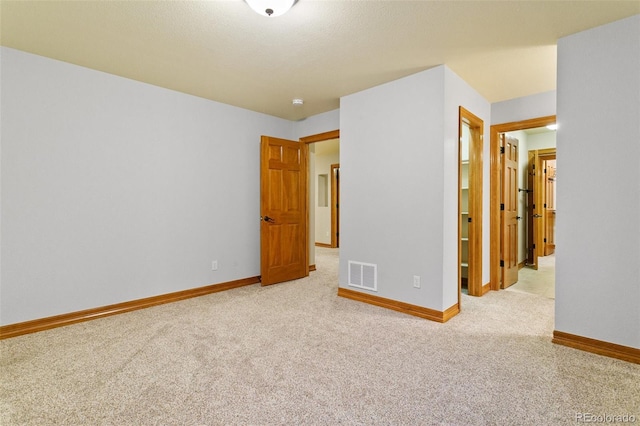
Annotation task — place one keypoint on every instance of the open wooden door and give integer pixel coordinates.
(535, 210)
(283, 210)
(509, 211)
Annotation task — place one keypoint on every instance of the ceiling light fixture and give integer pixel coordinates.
(271, 8)
(297, 102)
(552, 127)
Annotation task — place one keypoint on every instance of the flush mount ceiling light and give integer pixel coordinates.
(297, 102)
(271, 8)
(552, 127)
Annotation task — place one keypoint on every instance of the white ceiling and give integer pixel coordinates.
(319, 51)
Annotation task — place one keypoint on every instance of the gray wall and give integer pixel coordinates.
(598, 232)
(398, 161)
(114, 190)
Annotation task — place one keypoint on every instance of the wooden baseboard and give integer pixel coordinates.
(486, 288)
(405, 308)
(625, 353)
(312, 268)
(522, 264)
(18, 329)
(324, 245)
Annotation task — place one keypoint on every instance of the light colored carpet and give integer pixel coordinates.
(541, 281)
(295, 353)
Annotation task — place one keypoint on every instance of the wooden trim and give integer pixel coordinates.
(312, 267)
(612, 350)
(333, 134)
(486, 288)
(335, 200)
(522, 264)
(18, 329)
(395, 305)
(494, 196)
(323, 245)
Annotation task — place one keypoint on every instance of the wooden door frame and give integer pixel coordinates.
(494, 197)
(319, 137)
(474, 276)
(335, 199)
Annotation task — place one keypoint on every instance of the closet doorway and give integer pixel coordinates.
(470, 134)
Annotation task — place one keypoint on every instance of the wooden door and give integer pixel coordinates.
(283, 210)
(549, 206)
(509, 211)
(535, 210)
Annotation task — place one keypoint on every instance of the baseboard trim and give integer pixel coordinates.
(324, 245)
(312, 268)
(522, 264)
(19, 329)
(395, 305)
(486, 288)
(612, 350)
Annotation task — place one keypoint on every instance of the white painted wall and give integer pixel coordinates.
(323, 164)
(398, 160)
(524, 108)
(541, 141)
(317, 124)
(598, 232)
(114, 190)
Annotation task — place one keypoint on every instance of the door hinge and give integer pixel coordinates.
(545, 205)
(502, 263)
(501, 206)
(545, 240)
(545, 171)
(533, 166)
(534, 206)
(502, 150)
(469, 219)
(534, 246)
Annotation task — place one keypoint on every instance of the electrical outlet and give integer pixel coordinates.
(416, 281)
(214, 265)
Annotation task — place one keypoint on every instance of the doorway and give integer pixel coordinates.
(324, 159)
(470, 134)
(526, 196)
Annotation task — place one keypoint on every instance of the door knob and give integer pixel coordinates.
(535, 216)
(267, 219)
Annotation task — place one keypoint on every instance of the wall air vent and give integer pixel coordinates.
(363, 275)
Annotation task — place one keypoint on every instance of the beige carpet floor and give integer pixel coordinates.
(541, 281)
(296, 354)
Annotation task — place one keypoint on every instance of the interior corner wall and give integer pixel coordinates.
(115, 190)
(598, 233)
(391, 190)
(459, 93)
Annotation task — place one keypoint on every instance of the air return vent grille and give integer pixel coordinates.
(363, 275)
